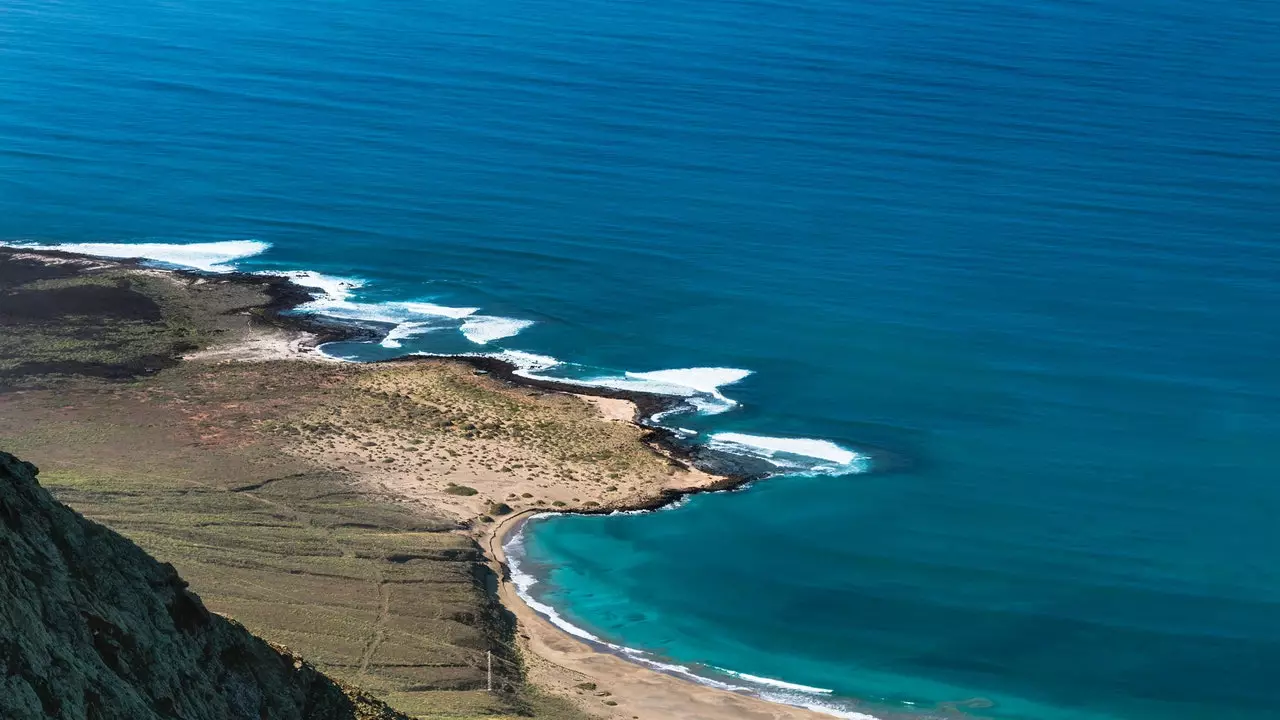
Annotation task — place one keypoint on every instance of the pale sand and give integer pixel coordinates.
(266, 343)
(560, 662)
(574, 451)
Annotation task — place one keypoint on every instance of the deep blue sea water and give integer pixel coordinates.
(1033, 247)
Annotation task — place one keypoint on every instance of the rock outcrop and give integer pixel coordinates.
(93, 628)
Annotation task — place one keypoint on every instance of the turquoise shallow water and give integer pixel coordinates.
(1033, 248)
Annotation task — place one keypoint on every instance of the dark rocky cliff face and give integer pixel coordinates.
(93, 628)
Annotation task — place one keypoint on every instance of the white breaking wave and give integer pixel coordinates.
(776, 683)
(706, 380)
(390, 313)
(785, 452)
(700, 387)
(683, 382)
(484, 329)
(337, 302)
(406, 330)
(834, 711)
(336, 288)
(409, 318)
(416, 317)
(413, 318)
(209, 256)
(526, 362)
(769, 446)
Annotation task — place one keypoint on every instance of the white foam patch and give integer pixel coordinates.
(776, 683)
(705, 380)
(484, 329)
(526, 362)
(406, 330)
(835, 712)
(210, 256)
(699, 386)
(336, 358)
(335, 288)
(786, 453)
(770, 446)
(391, 313)
(409, 318)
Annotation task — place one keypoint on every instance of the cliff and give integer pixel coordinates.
(91, 627)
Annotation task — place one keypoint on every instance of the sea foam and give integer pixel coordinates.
(216, 257)
(526, 363)
(484, 329)
(336, 288)
(404, 331)
(792, 453)
(706, 380)
(700, 387)
(407, 318)
(782, 684)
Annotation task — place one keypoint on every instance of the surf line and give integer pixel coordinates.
(660, 394)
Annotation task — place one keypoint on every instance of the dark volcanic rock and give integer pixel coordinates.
(93, 628)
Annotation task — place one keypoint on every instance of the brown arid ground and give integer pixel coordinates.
(352, 513)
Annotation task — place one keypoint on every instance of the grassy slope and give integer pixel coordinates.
(370, 592)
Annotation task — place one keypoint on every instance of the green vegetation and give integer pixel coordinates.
(61, 321)
(194, 464)
(461, 490)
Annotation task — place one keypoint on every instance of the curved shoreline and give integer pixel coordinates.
(722, 471)
(646, 687)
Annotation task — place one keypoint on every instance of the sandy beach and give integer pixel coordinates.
(254, 412)
(572, 668)
(519, 475)
(511, 471)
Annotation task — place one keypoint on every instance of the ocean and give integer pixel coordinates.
(1032, 249)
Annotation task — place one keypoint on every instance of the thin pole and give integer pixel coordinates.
(488, 654)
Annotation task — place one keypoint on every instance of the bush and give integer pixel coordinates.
(461, 490)
(499, 508)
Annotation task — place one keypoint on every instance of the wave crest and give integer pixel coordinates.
(792, 453)
(484, 329)
(217, 257)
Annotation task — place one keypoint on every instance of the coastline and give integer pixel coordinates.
(673, 470)
(567, 662)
